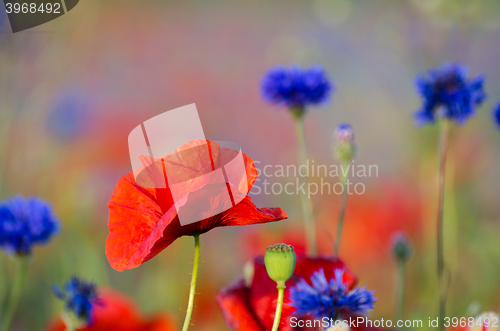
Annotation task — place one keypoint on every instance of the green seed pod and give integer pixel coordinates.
(280, 263)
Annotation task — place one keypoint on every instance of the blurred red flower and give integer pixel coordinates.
(250, 304)
(144, 221)
(118, 313)
(371, 221)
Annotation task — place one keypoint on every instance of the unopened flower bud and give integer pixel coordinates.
(344, 133)
(280, 263)
(402, 247)
(345, 148)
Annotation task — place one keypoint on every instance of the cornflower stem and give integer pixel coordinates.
(306, 203)
(192, 288)
(400, 290)
(343, 206)
(443, 151)
(15, 293)
(279, 306)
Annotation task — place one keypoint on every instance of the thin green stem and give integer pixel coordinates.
(443, 149)
(306, 203)
(342, 207)
(400, 290)
(194, 276)
(15, 293)
(279, 307)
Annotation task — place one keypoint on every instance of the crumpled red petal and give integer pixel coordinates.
(143, 221)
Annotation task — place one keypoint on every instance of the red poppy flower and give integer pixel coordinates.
(118, 313)
(144, 221)
(250, 305)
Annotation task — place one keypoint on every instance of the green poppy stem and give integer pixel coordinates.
(343, 206)
(400, 290)
(306, 203)
(15, 293)
(443, 151)
(192, 288)
(279, 307)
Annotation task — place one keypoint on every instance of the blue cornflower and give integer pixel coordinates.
(80, 297)
(496, 114)
(25, 222)
(448, 93)
(296, 87)
(326, 298)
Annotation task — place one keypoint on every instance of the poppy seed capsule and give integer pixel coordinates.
(280, 263)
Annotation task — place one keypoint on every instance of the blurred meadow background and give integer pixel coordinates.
(71, 91)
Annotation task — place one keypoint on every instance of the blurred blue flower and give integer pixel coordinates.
(296, 86)
(325, 298)
(496, 114)
(70, 116)
(25, 222)
(448, 93)
(80, 297)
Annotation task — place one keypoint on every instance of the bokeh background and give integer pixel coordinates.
(72, 89)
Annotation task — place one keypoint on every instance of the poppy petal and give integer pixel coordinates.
(134, 217)
(144, 221)
(233, 301)
(244, 213)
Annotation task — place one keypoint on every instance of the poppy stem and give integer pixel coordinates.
(343, 206)
(15, 293)
(306, 203)
(443, 149)
(192, 288)
(279, 307)
(400, 290)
